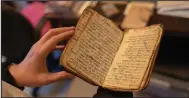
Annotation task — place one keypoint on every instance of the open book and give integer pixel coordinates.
(101, 54)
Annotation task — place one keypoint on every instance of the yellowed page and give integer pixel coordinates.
(133, 58)
(94, 51)
(148, 73)
(78, 31)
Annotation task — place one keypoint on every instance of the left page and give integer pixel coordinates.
(95, 49)
(78, 31)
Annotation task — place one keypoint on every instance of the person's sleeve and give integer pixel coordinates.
(7, 77)
(105, 93)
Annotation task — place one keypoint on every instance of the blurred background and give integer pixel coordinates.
(25, 22)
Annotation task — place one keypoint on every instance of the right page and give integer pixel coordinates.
(146, 78)
(133, 59)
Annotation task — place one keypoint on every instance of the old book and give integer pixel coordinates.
(137, 14)
(101, 54)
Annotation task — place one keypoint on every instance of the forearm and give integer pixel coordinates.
(7, 77)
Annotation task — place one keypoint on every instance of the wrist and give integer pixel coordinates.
(14, 71)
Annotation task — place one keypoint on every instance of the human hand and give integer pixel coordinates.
(32, 71)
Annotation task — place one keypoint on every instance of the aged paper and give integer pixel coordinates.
(94, 51)
(146, 78)
(133, 58)
(137, 14)
(79, 28)
(78, 31)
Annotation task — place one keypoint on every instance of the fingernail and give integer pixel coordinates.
(72, 27)
(70, 76)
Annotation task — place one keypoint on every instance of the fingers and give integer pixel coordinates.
(59, 47)
(53, 32)
(53, 77)
(48, 46)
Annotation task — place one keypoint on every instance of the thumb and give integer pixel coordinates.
(53, 77)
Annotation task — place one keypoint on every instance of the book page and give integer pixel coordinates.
(133, 58)
(78, 31)
(146, 78)
(94, 51)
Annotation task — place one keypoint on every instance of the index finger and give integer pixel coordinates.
(48, 46)
(53, 32)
